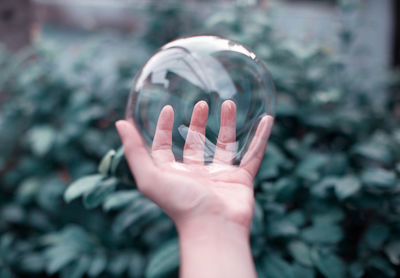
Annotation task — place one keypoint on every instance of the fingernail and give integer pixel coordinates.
(171, 110)
(169, 107)
(120, 126)
(202, 104)
(268, 122)
(230, 105)
(263, 125)
(118, 123)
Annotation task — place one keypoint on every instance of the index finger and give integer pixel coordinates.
(162, 142)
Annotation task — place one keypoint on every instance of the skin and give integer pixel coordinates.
(211, 205)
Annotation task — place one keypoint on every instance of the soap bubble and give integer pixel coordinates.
(209, 68)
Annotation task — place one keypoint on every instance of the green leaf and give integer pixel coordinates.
(273, 160)
(376, 235)
(328, 216)
(79, 268)
(374, 150)
(300, 252)
(286, 188)
(281, 228)
(310, 167)
(137, 266)
(257, 226)
(379, 178)
(356, 270)
(138, 213)
(99, 193)
(328, 264)
(118, 157)
(322, 188)
(296, 217)
(382, 265)
(97, 265)
(285, 106)
(164, 261)
(346, 187)
(81, 187)
(338, 164)
(76, 237)
(398, 168)
(28, 190)
(322, 234)
(274, 266)
(299, 51)
(120, 199)
(41, 139)
(119, 264)
(105, 163)
(33, 262)
(58, 257)
(6, 273)
(392, 250)
(303, 271)
(301, 149)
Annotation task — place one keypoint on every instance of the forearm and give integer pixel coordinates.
(214, 248)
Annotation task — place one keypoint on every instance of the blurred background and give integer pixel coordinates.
(327, 193)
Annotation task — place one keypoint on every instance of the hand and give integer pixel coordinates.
(192, 191)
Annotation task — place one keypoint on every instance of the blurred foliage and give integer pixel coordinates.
(327, 194)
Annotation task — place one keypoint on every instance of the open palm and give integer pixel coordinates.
(193, 189)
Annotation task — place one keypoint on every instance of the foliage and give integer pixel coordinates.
(327, 201)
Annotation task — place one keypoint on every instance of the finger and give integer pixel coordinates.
(162, 142)
(255, 153)
(226, 143)
(136, 153)
(193, 152)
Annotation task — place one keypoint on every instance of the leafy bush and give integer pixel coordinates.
(327, 201)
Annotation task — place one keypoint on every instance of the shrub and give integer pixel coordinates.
(327, 201)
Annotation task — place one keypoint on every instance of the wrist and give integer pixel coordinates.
(216, 248)
(211, 227)
(217, 233)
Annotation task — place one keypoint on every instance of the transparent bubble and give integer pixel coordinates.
(209, 68)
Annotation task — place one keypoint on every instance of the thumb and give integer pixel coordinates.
(136, 154)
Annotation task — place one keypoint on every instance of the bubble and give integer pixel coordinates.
(206, 71)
